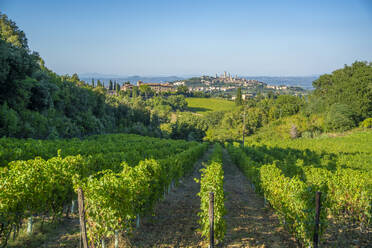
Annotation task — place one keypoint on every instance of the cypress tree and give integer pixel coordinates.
(239, 99)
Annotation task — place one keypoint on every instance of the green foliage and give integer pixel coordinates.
(212, 181)
(293, 200)
(367, 123)
(114, 200)
(9, 121)
(285, 105)
(239, 99)
(16, 65)
(145, 90)
(207, 105)
(183, 90)
(289, 196)
(41, 104)
(36, 186)
(340, 117)
(166, 129)
(189, 126)
(350, 86)
(112, 169)
(11, 33)
(178, 102)
(289, 172)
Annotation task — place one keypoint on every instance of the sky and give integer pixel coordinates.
(203, 37)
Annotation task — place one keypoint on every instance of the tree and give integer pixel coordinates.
(75, 77)
(93, 82)
(340, 117)
(35, 102)
(287, 105)
(135, 91)
(145, 90)
(110, 85)
(239, 99)
(351, 85)
(9, 121)
(117, 87)
(177, 102)
(10, 33)
(270, 95)
(182, 89)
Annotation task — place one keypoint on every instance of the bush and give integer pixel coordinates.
(367, 123)
(307, 134)
(340, 117)
(9, 121)
(166, 130)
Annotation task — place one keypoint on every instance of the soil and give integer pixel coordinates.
(175, 222)
(248, 222)
(63, 233)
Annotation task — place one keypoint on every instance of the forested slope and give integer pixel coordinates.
(36, 102)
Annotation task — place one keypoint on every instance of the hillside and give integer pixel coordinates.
(144, 164)
(205, 105)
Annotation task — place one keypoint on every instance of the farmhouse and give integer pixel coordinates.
(158, 87)
(126, 86)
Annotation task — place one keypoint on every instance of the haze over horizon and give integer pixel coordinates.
(168, 38)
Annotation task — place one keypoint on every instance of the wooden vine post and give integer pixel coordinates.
(211, 220)
(317, 217)
(83, 230)
(243, 126)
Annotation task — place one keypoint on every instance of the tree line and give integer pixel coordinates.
(35, 102)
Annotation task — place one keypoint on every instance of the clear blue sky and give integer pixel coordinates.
(177, 37)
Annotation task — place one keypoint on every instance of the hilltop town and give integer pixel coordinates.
(227, 84)
(224, 85)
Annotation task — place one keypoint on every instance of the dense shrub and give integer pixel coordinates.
(367, 123)
(340, 117)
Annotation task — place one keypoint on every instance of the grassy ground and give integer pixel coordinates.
(205, 105)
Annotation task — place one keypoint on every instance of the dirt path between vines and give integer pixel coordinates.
(248, 222)
(175, 224)
(176, 220)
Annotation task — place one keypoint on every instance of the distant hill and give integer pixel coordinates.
(303, 82)
(132, 79)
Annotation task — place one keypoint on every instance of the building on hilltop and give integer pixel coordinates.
(126, 86)
(158, 87)
(179, 83)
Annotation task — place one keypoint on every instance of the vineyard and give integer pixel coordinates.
(288, 173)
(128, 180)
(212, 181)
(100, 159)
(122, 176)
